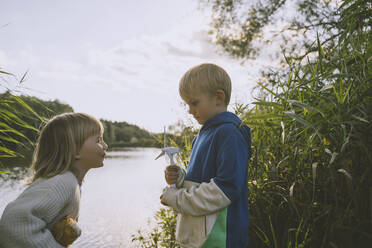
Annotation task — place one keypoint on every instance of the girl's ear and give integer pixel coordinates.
(220, 97)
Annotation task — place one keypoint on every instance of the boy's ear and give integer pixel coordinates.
(220, 97)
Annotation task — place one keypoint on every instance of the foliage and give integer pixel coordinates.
(163, 234)
(310, 177)
(9, 134)
(243, 28)
(122, 134)
(11, 120)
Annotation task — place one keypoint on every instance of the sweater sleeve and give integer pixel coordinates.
(194, 199)
(24, 221)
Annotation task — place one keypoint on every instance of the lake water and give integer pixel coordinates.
(117, 199)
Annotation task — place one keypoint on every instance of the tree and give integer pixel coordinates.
(243, 28)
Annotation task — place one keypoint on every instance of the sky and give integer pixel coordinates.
(118, 60)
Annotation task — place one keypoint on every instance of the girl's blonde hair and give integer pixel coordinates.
(207, 78)
(60, 140)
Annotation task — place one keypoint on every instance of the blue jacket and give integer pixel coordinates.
(221, 152)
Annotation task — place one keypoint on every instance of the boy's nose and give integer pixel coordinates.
(190, 110)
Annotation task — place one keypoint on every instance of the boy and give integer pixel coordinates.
(212, 197)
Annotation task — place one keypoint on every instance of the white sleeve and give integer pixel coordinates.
(196, 200)
(24, 221)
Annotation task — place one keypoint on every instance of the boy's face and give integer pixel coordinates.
(202, 106)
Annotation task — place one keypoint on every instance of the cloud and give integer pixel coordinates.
(123, 51)
(124, 70)
(171, 49)
(136, 78)
(195, 45)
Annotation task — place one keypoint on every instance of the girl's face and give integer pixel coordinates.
(93, 152)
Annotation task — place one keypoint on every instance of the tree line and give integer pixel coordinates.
(22, 117)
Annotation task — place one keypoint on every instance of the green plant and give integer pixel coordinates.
(311, 136)
(163, 234)
(11, 121)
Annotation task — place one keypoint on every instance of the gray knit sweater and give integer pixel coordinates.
(27, 221)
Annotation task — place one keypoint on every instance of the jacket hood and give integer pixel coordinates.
(228, 117)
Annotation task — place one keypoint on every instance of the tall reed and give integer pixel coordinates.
(310, 176)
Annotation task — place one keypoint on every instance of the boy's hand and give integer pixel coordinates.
(169, 197)
(172, 173)
(161, 200)
(66, 231)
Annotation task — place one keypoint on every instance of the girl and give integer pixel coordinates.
(68, 146)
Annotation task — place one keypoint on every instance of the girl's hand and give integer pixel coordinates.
(66, 231)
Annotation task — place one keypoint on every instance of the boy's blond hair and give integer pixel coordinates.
(59, 141)
(207, 78)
